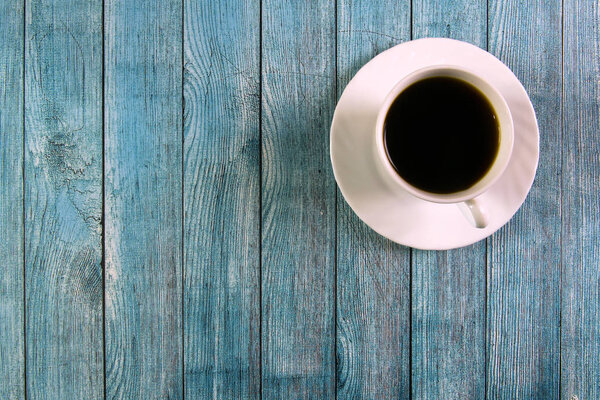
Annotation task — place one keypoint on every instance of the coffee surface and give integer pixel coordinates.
(441, 135)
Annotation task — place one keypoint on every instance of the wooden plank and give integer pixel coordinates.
(448, 335)
(63, 199)
(373, 273)
(524, 257)
(581, 202)
(298, 199)
(448, 287)
(221, 199)
(143, 199)
(12, 307)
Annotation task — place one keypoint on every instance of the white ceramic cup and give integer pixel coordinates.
(466, 200)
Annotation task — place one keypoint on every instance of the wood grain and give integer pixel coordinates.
(298, 200)
(222, 199)
(449, 287)
(458, 19)
(12, 307)
(524, 257)
(143, 199)
(188, 310)
(580, 332)
(449, 323)
(373, 273)
(63, 201)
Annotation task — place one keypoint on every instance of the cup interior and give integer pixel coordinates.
(505, 124)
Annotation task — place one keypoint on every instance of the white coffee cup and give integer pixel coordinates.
(466, 200)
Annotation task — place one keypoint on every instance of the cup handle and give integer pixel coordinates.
(474, 213)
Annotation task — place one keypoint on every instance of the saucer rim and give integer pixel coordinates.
(533, 129)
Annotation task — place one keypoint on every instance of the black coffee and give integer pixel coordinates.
(441, 135)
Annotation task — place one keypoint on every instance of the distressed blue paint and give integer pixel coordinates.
(298, 199)
(222, 200)
(190, 210)
(143, 199)
(524, 257)
(448, 291)
(373, 273)
(12, 360)
(63, 204)
(580, 333)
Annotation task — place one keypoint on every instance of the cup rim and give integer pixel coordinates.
(506, 133)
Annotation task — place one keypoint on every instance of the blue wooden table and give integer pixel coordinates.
(170, 227)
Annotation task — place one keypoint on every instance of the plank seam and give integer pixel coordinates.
(23, 205)
(260, 203)
(410, 324)
(182, 200)
(485, 324)
(411, 21)
(487, 34)
(103, 220)
(335, 213)
(560, 264)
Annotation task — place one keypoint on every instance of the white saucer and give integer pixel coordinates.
(391, 211)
